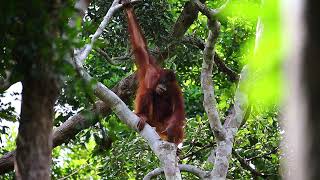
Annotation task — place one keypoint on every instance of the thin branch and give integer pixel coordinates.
(83, 53)
(246, 165)
(114, 60)
(183, 167)
(275, 150)
(222, 67)
(186, 18)
(210, 13)
(197, 151)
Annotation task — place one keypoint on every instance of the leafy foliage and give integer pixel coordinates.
(110, 150)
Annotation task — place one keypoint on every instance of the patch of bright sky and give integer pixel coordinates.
(15, 100)
(16, 103)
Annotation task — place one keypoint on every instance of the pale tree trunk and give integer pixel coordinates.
(302, 117)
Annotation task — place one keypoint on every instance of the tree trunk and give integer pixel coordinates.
(36, 58)
(34, 142)
(310, 70)
(303, 111)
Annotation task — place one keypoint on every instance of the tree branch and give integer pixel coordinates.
(84, 52)
(114, 60)
(245, 164)
(263, 155)
(183, 167)
(209, 101)
(188, 15)
(222, 67)
(232, 123)
(68, 130)
(210, 13)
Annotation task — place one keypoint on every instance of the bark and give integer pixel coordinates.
(34, 142)
(209, 101)
(188, 15)
(233, 121)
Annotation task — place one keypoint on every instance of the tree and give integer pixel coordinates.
(225, 105)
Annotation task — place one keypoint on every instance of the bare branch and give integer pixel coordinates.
(232, 75)
(204, 9)
(188, 15)
(210, 13)
(209, 101)
(183, 167)
(275, 150)
(114, 60)
(246, 165)
(83, 53)
(231, 125)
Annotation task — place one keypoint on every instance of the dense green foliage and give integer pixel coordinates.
(129, 157)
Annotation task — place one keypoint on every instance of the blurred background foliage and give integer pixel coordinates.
(91, 156)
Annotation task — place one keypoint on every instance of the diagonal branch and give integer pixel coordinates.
(222, 67)
(245, 164)
(188, 15)
(83, 53)
(210, 13)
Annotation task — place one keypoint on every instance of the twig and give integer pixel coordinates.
(113, 60)
(245, 164)
(263, 155)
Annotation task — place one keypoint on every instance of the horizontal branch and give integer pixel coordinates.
(114, 60)
(183, 167)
